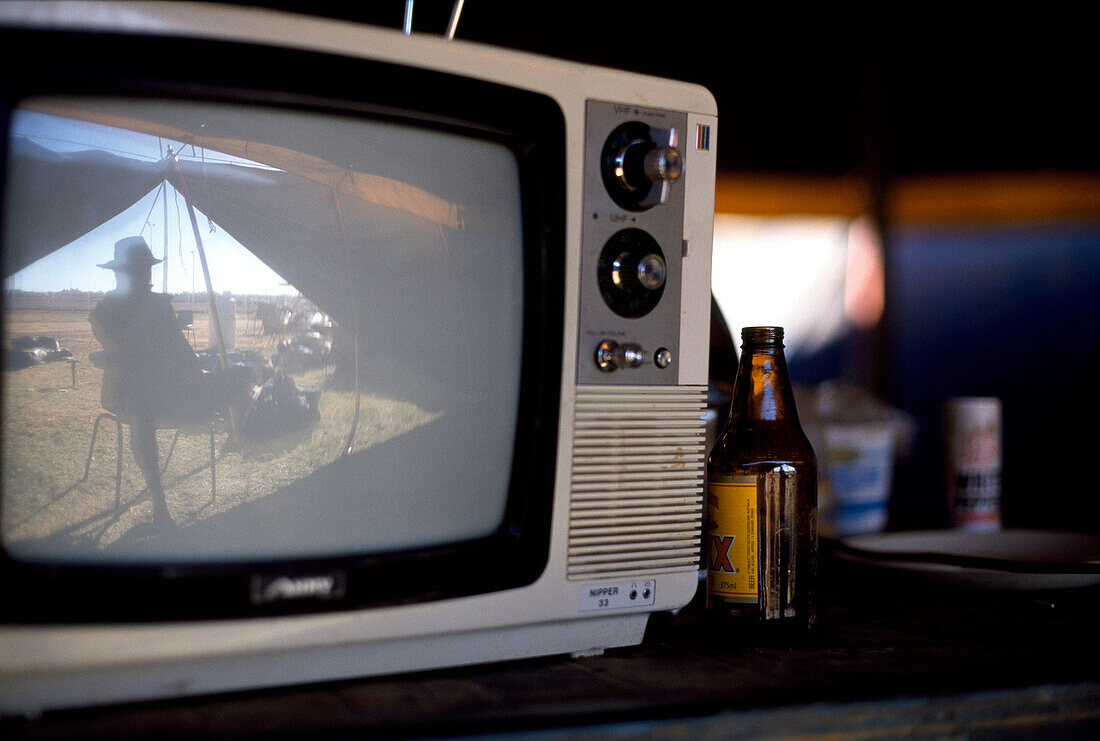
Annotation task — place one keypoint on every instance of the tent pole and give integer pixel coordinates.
(164, 195)
(223, 354)
(355, 325)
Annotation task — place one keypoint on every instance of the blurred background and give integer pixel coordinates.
(915, 196)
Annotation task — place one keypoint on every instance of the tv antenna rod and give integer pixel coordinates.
(452, 26)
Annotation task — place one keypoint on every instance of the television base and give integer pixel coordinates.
(213, 658)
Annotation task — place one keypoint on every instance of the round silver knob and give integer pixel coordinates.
(633, 356)
(607, 356)
(611, 356)
(663, 164)
(652, 272)
(648, 271)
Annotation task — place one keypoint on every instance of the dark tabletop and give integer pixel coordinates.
(891, 651)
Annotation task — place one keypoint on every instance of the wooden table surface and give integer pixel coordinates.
(893, 655)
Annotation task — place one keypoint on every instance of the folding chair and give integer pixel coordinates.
(164, 466)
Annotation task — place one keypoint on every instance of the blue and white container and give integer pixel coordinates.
(857, 439)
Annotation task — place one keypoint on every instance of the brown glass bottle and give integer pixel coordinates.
(761, 525)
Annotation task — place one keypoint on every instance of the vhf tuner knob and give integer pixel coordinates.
(639, 164)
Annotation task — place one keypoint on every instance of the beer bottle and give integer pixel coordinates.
(761, 526)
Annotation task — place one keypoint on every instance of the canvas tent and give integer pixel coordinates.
(363, 239)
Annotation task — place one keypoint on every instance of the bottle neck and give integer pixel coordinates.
(762, 389)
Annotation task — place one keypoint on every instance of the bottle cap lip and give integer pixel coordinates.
(762, 334)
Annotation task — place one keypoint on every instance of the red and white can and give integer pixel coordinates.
(972, 433)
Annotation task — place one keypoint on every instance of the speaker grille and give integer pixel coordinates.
(636, 492)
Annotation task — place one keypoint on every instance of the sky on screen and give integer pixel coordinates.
(74, 266)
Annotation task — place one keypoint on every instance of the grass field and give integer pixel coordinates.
(47, 431)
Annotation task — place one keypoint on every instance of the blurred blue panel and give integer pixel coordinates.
(1010, 311)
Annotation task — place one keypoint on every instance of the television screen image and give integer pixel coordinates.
(358, 304)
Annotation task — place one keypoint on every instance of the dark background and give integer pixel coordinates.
(1007, 308)
(911, 90)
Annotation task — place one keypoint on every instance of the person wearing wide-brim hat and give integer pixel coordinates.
(151, 376)
(131, 254)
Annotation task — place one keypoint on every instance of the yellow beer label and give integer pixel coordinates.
(732, 551)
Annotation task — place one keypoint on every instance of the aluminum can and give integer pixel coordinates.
(972, 437)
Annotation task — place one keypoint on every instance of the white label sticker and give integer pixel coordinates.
(609, 596)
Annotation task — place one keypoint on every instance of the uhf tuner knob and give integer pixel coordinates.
(632, 273)
(651, 271)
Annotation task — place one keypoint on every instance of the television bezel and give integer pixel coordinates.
(531, 124)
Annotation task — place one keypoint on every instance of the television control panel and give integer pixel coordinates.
(632, 245)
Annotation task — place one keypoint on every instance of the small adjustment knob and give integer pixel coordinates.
(607, 356)
(633, 356)
(611, 356)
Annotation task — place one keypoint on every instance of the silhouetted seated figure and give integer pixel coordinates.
(151, 376)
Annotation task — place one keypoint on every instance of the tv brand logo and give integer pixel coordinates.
(265, 590)
(702, 137)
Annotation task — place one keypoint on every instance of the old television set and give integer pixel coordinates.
(469, 288)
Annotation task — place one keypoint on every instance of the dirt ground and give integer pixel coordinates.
(57, 487)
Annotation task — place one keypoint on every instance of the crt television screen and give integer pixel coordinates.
(299, 357)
